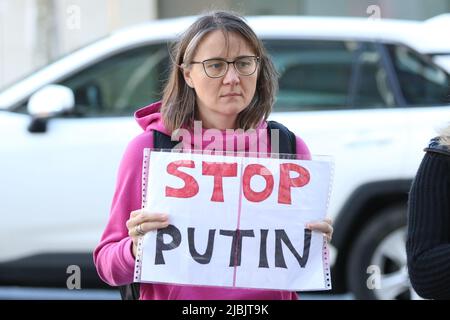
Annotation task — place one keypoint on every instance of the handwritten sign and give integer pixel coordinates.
(235, 222)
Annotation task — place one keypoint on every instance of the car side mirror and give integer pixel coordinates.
(48, 102)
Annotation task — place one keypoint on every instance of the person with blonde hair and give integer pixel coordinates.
(222, 76)
(428, 238)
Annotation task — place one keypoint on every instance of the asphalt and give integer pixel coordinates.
(21, 293)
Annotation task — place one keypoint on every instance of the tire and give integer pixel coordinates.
(377, 269)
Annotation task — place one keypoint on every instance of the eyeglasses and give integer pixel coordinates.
(216, 68)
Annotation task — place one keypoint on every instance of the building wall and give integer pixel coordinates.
(34, 32)
(15, 39)
(400, 9)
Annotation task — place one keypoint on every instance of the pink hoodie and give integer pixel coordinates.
(113, 256)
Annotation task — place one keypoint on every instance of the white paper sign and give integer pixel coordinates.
(235, 222)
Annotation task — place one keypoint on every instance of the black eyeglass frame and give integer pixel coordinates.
(228, 64)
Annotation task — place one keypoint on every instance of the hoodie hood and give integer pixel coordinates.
(150, 118)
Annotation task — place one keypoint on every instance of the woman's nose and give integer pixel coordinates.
(232, 76)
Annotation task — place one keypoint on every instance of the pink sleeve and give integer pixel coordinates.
(113, 256)
(303, 152)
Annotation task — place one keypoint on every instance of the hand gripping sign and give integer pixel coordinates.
(235, 221)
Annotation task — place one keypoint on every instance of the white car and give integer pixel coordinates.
(432, 39)
(351, 88)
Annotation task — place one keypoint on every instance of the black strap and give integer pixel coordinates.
(162, 141)
(130, 291)
(288, 144)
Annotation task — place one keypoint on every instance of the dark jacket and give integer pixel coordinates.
(428, 239)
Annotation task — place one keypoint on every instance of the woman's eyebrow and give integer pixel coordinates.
(216, 58)
(238, 57)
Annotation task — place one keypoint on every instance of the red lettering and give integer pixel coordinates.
(286, 182)
(219, 170)
(190, 188)
(250, 171)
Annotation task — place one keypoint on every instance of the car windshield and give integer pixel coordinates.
(329, 75)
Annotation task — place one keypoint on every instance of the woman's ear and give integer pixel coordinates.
(187, 77)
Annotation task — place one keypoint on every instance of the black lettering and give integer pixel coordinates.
(201, 258)
(280, 235)
(263, 250)
(236, 244)
(172, 231)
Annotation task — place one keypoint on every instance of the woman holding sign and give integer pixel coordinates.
(222, 76)
(428, 241)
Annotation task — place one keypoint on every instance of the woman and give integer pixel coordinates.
(428, 243)
(221, 76)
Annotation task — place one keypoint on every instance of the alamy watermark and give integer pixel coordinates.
(73, 19)
(374, 12)
(374, 280)
(227, 142)
(74, 280)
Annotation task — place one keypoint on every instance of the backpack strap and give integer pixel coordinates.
(130, 291)
(436, 147)
(163, 141)
(288, 143)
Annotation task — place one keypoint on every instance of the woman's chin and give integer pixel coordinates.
(231, 108)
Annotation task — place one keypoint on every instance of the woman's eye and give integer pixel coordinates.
(243, 64)
(215, 65)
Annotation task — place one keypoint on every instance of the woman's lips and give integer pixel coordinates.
(231, 95)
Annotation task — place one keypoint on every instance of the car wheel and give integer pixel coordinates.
(377, 267)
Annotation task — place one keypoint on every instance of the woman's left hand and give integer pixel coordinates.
(324, 226)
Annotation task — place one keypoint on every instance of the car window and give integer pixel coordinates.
(421, 82)
(370, 85)
(120, 84)
(324, 75)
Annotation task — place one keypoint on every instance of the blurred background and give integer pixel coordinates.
(370, 88)
(36, 32)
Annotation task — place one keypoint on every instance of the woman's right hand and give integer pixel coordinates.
(141, 222)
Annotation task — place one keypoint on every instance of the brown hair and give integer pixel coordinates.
(179, 100)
